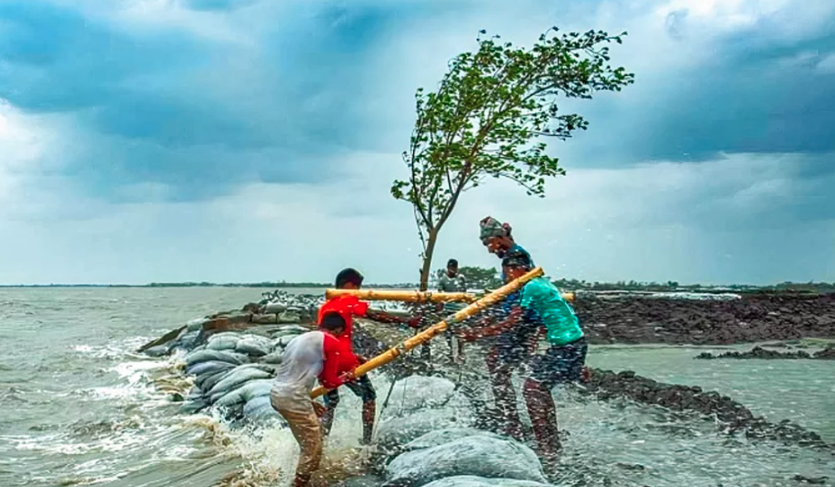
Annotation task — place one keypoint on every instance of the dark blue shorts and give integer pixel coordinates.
(361, 387)
(559, 365)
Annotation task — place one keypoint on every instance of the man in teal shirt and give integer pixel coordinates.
(540, 306)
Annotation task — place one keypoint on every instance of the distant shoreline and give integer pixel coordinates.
(569, 285)
(268, 285)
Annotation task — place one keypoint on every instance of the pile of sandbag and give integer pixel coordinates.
(233, 373)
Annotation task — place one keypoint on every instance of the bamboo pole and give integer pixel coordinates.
(412, 296)
(405, 296)
(440, 327)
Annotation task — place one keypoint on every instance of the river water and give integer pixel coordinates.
(77, 407)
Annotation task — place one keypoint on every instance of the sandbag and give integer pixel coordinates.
(193, 406)
(254, 345)
(275, 308)
(401, 430)
(246, 392)
(206, 381)
(291, 330)
(478, 455)
(473, 481)
(208, 367)
(272, 358)
(265, 319)
(233, 380)
(223, 341)
(259, 408)
(446, 435)
(158, 351)
(419, 392)
(196, 324)
(198, 356)
(186, 341)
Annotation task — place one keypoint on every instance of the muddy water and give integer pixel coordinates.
(78, 408)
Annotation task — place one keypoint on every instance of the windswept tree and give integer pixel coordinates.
(490, 117)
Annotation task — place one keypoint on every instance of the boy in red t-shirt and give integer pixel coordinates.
(348, 307)
(312, 355)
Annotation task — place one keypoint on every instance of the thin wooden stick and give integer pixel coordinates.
(440, 327)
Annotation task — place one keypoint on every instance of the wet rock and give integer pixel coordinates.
(755, 353)
(826, 354)
(480, 455)
(606, 385)
(811, 480)
(753, 318)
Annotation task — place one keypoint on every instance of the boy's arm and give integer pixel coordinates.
(388, 318)
(493, 330)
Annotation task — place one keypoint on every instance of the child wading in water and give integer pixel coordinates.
(539, 305)
(308, 356)
(348, 307)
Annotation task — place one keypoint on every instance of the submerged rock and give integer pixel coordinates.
(607, 385)
(477, 455)
(756, 353)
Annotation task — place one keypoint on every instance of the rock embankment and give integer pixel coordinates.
(763, 354)
(707, 322)
(607, 385)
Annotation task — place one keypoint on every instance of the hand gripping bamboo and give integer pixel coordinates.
(440, 327)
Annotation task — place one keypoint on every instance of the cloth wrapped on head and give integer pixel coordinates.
(490, 227)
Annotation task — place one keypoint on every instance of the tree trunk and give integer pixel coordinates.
(427, 258)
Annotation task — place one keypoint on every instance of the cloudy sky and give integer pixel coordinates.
(249, 140)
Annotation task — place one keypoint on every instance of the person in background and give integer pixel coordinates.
(496, 236)
(308, 356)
(348, 307)
(540, 304)
(452, 282)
